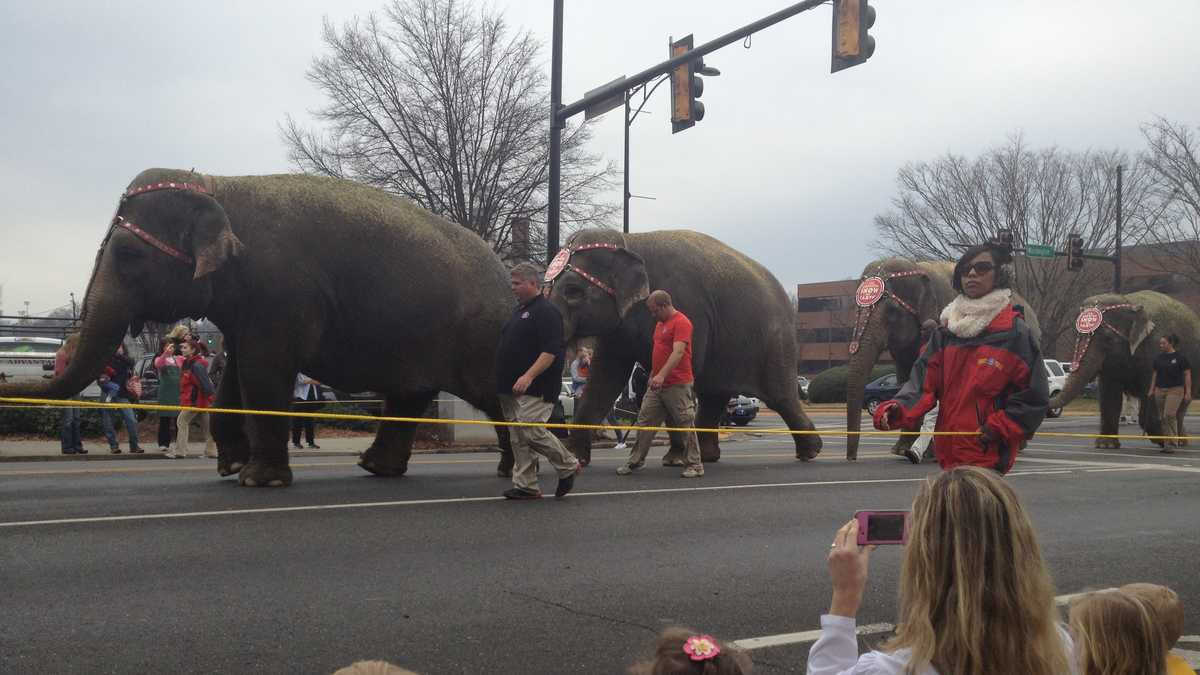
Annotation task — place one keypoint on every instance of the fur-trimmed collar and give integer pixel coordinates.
(967, 318)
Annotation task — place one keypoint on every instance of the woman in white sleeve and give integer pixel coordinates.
(975, 596)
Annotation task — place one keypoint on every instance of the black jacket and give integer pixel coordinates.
(535, 327)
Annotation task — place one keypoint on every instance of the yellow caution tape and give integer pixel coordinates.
(548, 425)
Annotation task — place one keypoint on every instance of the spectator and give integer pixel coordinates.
(919, 450)
(671, 396)
(681, 651)
(982, 368)
(216, 368)
(581, 368)
(69, 431)
(195, 391)
(1118, 634)
(114, 388)
(975, 596)
(1171, 389)
(1131, 407)
(529, 365)
(169, 364)
(307, 392)
(635, 391)
(1168, 614)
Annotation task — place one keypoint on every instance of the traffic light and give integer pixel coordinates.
(852, 44)
(1074, 252)
(686, 87)
(1005, 240)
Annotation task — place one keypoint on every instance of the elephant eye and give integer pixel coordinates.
(573, 292)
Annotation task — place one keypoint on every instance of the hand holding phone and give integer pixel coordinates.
(882, 528)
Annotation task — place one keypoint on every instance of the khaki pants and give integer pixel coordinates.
(1168, 402)
(675, 404)
(181, 441)
(529, 440)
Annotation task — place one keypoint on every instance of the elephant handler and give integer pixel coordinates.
(1171, 389)
(982, 368)
(671, 395)
(529, 365)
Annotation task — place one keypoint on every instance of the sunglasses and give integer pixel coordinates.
(980, 268)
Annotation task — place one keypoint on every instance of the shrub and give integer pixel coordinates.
(830, 385)
(44, 422)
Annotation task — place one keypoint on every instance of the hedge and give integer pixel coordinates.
(31, 421)
(830, 385)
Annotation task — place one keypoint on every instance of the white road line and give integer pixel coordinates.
(869, 629)
(1112, 465)
(461, 500)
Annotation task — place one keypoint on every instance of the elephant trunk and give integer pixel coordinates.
(103, 328)
(1089, 367)
(859, 369)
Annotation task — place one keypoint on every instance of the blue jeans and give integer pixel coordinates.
(130, 422)
(69, 430)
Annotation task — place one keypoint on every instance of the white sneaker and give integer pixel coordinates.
(693, 471)
(620, 446)
(626, 469)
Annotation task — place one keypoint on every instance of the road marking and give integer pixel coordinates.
(462, 500)
(869, 629)
(1113, 465)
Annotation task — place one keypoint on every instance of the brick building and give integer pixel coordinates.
(826, 310)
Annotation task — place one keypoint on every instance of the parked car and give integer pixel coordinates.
(741, 410)
(1056, 377)
(31, 359)
(879, 390)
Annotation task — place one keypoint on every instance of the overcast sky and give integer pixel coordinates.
(790, 165)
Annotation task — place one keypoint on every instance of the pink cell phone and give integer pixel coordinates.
(882, 527)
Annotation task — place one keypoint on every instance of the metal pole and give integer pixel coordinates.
(625, 210)
(1117, 248)
(555, 132)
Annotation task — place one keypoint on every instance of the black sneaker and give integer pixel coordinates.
(297, 446)
(69, 451)
(519, 493)
(313, 446)
(116, 451)
(567, 482)
(136, 450)
(81, 451)
(912, 455)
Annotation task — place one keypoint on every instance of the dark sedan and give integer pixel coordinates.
(880, 390)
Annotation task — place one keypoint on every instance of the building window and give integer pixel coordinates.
(819, 304)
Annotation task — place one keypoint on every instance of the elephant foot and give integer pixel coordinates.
(257, 474)
(231, 460)
(808, 447)
(379, 462)
(1107, 443)
(675, 457)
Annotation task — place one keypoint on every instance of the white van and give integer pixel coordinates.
(1056, 377)
(31, 359)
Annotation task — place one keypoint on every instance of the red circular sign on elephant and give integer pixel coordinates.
(1089, 320)
(558, 264)
(869, 292)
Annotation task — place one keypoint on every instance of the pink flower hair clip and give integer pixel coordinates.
(701, 648)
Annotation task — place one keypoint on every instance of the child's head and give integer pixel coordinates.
(1164, 604)
(681, 651)
(1117, 633)
(373, 668)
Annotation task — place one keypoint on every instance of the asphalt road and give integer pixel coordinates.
(139, 567)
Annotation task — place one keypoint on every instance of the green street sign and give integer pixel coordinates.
(1039, 251)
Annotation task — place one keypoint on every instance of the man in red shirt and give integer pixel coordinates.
(670, 395)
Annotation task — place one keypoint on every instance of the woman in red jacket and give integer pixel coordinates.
(195, 391)
(982, 366)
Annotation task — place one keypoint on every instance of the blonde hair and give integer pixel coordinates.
(1164, 604)
(670, 659)
(373, 668)
(975, 595)
(1116, 633)
(178, 332)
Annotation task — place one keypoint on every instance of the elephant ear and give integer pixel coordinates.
(629, 280)
(213, 242)
(1140, 329)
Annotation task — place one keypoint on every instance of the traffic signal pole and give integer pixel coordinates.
(1117, 247)
(559, 113)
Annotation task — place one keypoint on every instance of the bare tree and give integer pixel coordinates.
(436, 102)
(1173, 157)
(1042, 195)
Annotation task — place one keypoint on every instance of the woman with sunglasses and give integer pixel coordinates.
(982, 367)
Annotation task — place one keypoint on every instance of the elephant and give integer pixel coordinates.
(889, 316)
(357, 288)
(744, 337)
(1121, 348)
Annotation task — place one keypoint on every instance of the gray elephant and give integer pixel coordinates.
(1118, 343)
(353, 286)
(895, 296)
(744, 337)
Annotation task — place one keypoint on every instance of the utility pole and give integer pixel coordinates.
(74, 314)
(556, 124)
(625, 169)
(1117, 247)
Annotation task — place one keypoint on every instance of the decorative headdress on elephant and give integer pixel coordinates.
(1115, 314)
(601, 258)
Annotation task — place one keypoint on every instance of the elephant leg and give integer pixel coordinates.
(605, 382)
(1111, 399)
(677, 452)
(781, 398)
(1182, 442)
(708, 416)
(392, 448)
(266, 385)
(229, 430)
